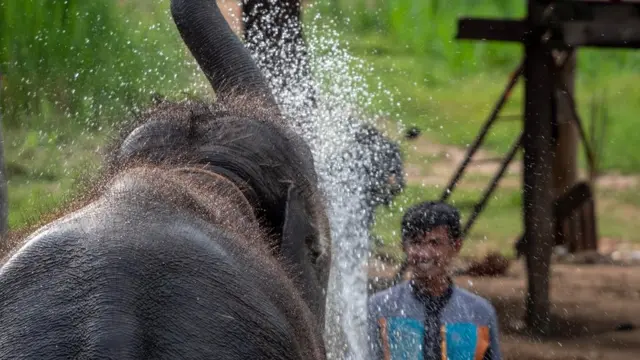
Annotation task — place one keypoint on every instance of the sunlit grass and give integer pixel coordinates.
(448, 87)
(45, 171)
(54, 122)
(500, 224)
(86, 62)
(496, 229)
(71, 71)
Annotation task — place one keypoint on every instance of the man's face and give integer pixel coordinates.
(429, 255)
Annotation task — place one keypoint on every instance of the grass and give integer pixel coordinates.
(495, 229)
(71, 72)
(428, 28)
(451, 110)
(448, 87)
(498, 227)
(59, 112)
(44, 170)
(75, 61)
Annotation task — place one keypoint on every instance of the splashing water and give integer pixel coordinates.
(329, 123)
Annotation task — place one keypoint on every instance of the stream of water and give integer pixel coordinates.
(341, 103)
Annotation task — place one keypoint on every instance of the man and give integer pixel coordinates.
(428, 317)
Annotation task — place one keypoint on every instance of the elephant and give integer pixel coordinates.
(206, 236)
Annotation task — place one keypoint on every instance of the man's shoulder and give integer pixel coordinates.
(392, 293)
(472, 300)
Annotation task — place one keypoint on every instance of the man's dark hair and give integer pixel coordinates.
(426, 216)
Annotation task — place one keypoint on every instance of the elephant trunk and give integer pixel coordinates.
(225, 61)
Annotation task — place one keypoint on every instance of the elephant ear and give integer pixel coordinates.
(299, 246)
(297, 230)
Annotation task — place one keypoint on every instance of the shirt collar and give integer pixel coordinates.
(434, 303)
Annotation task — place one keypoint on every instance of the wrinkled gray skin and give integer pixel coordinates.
(209, 241)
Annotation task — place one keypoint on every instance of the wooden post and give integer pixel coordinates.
(566, 147)
(575, 24)
(565, 167)
(274, 29)
(4, 207)
(276, 23)
(538, 158)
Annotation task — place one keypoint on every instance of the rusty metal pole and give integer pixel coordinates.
(537, 173)
(4, 207)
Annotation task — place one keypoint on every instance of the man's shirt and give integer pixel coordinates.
(457, 326)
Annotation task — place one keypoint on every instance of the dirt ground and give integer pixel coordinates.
(589, 303)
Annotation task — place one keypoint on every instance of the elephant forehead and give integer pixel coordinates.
(155, 134)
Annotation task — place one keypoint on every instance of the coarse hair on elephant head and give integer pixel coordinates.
(244, 138)
(269, 165)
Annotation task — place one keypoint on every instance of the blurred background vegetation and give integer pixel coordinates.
(72, 70)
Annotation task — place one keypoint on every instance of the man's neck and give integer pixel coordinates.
(432, 287)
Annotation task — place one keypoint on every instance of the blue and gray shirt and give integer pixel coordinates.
(459, 325)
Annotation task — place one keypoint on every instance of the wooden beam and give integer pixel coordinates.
(565, 10)
(604, 1)
(601, 34)
(492, 29)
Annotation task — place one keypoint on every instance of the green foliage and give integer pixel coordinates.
(447, 87)
(79, 61)
(428, 28)
(45, 171)
(498, 226)
(71, 70)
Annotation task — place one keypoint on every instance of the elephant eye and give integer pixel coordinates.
(312, 246)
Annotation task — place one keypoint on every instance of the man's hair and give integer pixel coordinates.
(426, 216)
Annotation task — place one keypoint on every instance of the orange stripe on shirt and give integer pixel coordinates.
(482, 344)
(384, 336)
(443, 346)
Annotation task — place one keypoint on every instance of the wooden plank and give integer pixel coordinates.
(492, 29)
(601, 34)
(624, 34)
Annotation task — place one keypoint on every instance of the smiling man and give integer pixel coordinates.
(428, 317)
